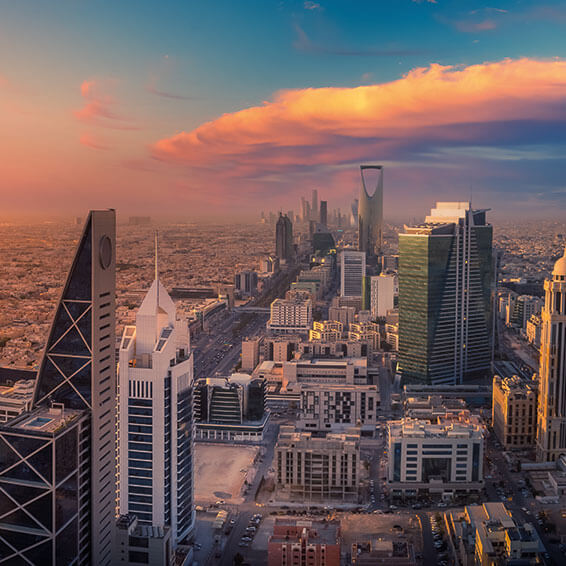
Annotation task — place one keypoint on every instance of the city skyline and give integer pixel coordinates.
(155, 115)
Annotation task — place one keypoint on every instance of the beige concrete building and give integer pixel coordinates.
(290, 316)
(15, 398)
(345, 314)
(327, 407)
(514, 411)
(317, 469)
(367, 332)
(250, 353)
(488, 535)
(350, 370)
(326, 331)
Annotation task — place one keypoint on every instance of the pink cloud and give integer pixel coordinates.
(98, 109)
(326, 126)
(90, 141)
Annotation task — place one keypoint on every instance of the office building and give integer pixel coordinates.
(59, 460)
(551, 427)
(309, 468)
(284, 239)
(329, 407)
(155, 417)
(519, 310)
(290, 316)
(490, 535)
(350, 370)
(445, 296)
(352, 273)
(382, 295)
(370, 214)
(250, 353)
(443, 458)
(245, 283)
(324, 213)
(269, 264)
(136, 544)
(230, 408)
(314, 207)
(304, 542)
(514, 411)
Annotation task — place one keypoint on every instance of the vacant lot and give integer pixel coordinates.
(218, 471)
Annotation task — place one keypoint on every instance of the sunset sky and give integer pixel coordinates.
(192, 109)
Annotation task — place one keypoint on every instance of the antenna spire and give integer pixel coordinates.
(157, 264)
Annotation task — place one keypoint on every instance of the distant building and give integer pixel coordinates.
(382, 293)
(309, 468)
(136, 544)
(351, 371)
(304, 543)
(328, 407)
(230, 409)
(324, 213)
(326, 330)
(370, 214)
(392, 329)
(139, 220)
(269, 264)
(532, 330)
(490, 535)
(245, 283)
(290, 316)
(443, 458)
(344, 315)
(250, 353)
(15, 398)
(284, 239)
(551, 433)
(367, 332)
(514, 411)
(520, 310)
(352, 273)
(445, 296)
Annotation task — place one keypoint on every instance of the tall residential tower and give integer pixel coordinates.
(551, 425)
(445, 296)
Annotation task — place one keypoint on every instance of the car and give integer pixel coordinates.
(243, 543)
(443, 505)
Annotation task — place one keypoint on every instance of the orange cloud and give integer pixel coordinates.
(321, 126)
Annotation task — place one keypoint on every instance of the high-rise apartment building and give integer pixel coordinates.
(58, 462)
(352, 273)
(370, 214)
(284, 238)
(445, 296)
(382, 294)
(155, 417)
(551, 418)
(290, 316)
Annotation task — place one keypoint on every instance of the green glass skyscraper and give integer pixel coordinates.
(446, 296)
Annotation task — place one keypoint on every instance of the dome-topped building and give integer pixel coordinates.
(559, 271)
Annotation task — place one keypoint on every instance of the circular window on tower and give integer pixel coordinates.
(105, 251)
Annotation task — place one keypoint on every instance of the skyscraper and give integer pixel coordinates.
(284, 238)
(445, 296)
(58, 462)
(155, 417)
(370, 214)
(314, 207)
(352, 273)
(324, 213)
(551, 421)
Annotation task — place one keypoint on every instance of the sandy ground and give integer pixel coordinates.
(218, 472)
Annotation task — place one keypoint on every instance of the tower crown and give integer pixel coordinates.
(559, 271)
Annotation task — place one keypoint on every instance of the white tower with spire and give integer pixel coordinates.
(551, 418)
(155, 416)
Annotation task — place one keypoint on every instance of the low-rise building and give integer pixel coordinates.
(297, 542)
(533, 329)
(328, 407)
(488, 535)
(442, 457)
(367, 332)
(326, 331)
(230, 409)
(431, 407)
(514, 411)
(312, 468)
(350, 370)
(344, 314)
(16, 392)
(386, 552)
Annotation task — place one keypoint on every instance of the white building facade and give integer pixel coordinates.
(156, 418)
(290, 316)
(382, 295)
